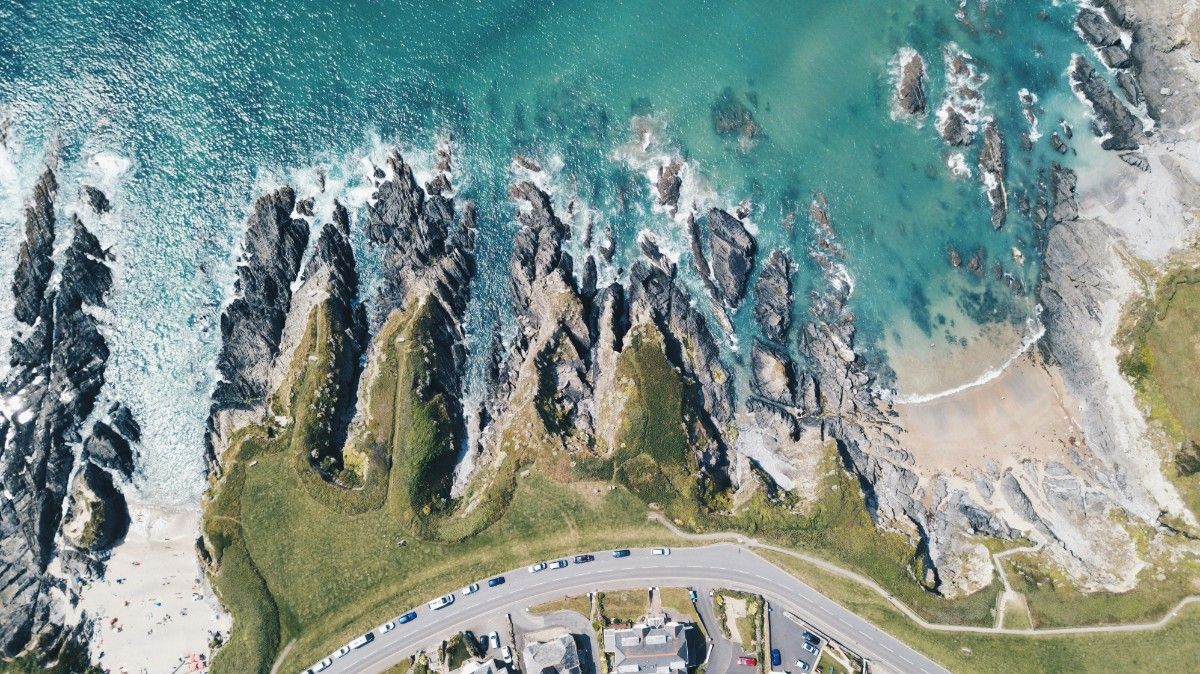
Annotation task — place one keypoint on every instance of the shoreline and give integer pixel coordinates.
(154, 590)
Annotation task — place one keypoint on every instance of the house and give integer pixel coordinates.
(653, 647)
(490, 666)
(554, 656)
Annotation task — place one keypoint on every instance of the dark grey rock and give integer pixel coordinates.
(993, 171)
(910, 87)
(96, 199)
(773, 296)
(731, 249)
(1112, 115)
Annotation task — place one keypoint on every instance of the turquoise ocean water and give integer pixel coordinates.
(185, 111)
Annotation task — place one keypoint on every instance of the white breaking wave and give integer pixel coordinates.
(1031, 338)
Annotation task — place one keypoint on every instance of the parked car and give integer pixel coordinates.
(494, 640)
(540, 566)
(661, 551)
(583, 559)
(341, 652)
(498, 580)
(387, 626)
(470, 589)
(322, 665)
(747, 660)
(483, 643)
(441, 602)
(620, 553)
(811, 638)
(558, 564)
(362, 641)
(810, 648)
(506, 655)
(692, 595)
(802, 665)
(407, 617)
(776, 657)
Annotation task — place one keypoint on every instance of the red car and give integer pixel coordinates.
(747, 660)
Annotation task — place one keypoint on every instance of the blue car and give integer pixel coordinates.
(407, 617)
(776, 657)
(620, 553)
(498, 580)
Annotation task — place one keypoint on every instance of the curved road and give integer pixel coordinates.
(725, 565)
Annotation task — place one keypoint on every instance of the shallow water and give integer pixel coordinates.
(185, 112)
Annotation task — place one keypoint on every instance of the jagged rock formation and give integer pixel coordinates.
(910, 83)
(992, 171)
(731, 252)
(57, 360)
(252, 324)
(1104, 36)
(669, 182)
(1114, 119)
(958, 114)
(773, 296)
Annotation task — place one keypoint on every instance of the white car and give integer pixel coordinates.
(322, 665)
(493, 640)
(341, 652)
(540, 566)
(362, 641)
(506, 655)
(470, 589)
(810, 648)
(558, 564)
(441, 602)
(661, 551)
(802, 665)
(386, 627)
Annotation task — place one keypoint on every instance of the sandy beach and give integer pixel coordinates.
(154, 611)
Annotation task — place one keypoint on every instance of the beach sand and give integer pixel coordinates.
(154, 611)
(1024, 413)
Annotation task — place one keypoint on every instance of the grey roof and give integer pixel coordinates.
(489, 666)
(645, 648)
(557, 656)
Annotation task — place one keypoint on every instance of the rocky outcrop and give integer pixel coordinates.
(910, 83)
(958, 115)
(57, 361)
(668, 185)
(252, 324)
(773, 296)
(1098, 31)
(731, 256)
(992, 171)
(1117, 125)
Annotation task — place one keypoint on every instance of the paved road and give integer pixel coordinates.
(724, 565)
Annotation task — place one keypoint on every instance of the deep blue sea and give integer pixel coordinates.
(185, 111)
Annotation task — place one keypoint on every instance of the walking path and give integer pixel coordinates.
(910, 613)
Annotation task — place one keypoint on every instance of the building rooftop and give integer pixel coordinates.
(556, 656)
(658, 648)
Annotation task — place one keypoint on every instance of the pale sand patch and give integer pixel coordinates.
(1024, 413)
(734, 609)
(157, 594)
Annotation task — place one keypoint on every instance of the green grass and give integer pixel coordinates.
(581, 605)
(827, 665)
(1172, 648)
(72, 658)
(1161, 358)
(456, 651)
(678, 600)
(623, 606)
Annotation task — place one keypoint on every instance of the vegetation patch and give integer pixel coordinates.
(622, 607)
(581, 605)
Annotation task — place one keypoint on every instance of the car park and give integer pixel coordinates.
(661, 551)
(362, 640)
(441, 602)
(341, 652)
(407, 617)
(747, 661)
(620, 553)
(558, 564)
(802, 665)
(387, 627)
(494, 640)
(810, 648)
(470, 589)
(776, 657)
(540, 566)
(498, 580)
(583, 559)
